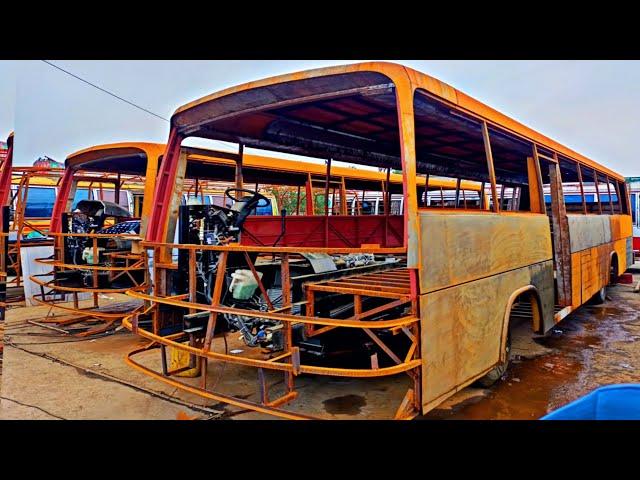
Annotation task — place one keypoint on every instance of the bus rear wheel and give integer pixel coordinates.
(499, 370)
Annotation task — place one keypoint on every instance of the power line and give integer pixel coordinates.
(105, 91)
(226, 144)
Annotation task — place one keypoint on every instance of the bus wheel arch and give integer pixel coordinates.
(530, 293)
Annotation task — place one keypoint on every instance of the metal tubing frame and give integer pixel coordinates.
(20, 222)
(133, 263)
(288, 361)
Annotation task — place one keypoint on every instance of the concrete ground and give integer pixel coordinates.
(48, 375)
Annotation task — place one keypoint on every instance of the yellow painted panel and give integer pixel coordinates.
(621, 227)
(595, 269)
(461, 331)
(576, 279)
(620, 246)
(586, 267)
(460, 247)
(602, 264)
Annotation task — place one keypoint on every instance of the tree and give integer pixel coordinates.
(287, 198)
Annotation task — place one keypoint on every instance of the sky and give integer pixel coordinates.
(592, 107)
(8, 72)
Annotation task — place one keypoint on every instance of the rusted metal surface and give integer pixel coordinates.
(24, 178)
(92, 168)
(239, 161)
(537, 181)
(490, 167)
(561, 237)
(282, 366)
(234, 247)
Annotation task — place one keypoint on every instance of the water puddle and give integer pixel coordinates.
(345, 405)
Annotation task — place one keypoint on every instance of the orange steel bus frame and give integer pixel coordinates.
(262, 103)
(79, 171)
(24, 176)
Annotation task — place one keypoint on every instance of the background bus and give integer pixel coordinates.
(634, 187)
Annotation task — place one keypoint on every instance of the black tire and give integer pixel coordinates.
(499, 370)
(600, 297)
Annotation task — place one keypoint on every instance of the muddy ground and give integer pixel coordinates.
(47, 375)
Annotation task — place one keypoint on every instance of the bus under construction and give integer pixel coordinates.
(428, 294)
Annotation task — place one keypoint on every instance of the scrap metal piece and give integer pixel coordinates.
(320, 262)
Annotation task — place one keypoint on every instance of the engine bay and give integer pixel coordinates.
(244, 272)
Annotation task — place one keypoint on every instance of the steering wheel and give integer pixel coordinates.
(255, 196)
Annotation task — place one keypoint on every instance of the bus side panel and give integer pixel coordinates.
(472, 264)
(621, 226)
(622, 247)
(593, 239)
(461, 247)
(594, 271)
(576, 280)
(462, 328)
(587, 231)
(622, 233)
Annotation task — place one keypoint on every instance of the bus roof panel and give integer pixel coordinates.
(241, 111)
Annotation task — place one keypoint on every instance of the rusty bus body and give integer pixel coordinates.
(5, 189)
(33, 214)
(442, 313)
(95, 245)
(28, 226)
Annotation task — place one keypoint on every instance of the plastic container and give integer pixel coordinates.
(613, 402)
(87, 255)
(243, 284)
